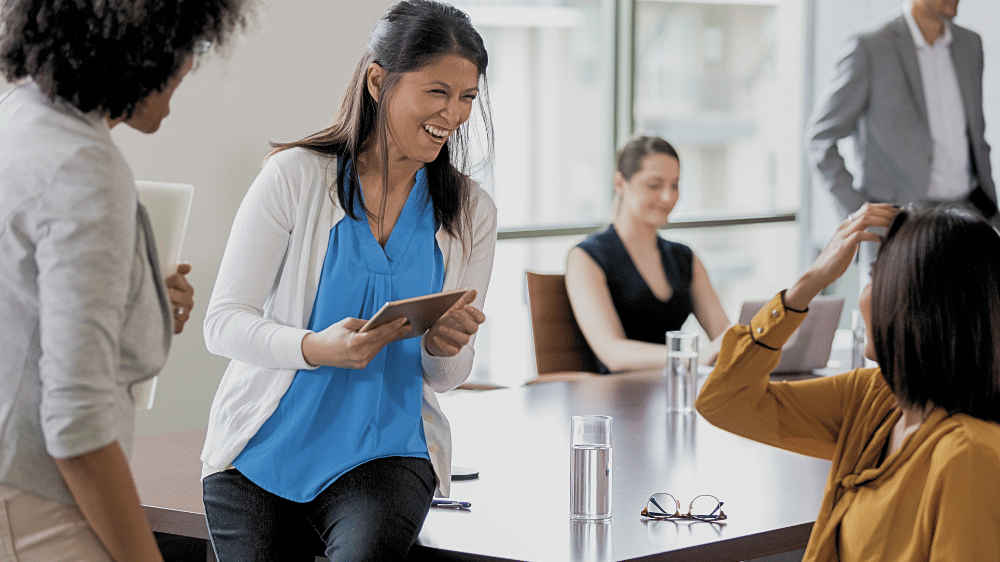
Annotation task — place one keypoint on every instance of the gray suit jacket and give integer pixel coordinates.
(877, 97)
(85, 310)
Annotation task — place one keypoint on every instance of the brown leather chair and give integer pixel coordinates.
(559, 344)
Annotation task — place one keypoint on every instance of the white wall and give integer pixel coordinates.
(282, 81)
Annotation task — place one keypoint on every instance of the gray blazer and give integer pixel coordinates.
(84, 306)
(877, 97)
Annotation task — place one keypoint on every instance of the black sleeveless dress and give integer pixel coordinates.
(643, 316)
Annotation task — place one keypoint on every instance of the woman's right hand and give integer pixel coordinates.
(835, 258)
(343, 346)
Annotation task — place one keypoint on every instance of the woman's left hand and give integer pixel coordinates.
(454, 330)
(835, 258)
(181, 296)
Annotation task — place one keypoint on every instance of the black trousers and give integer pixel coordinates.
(374, 512)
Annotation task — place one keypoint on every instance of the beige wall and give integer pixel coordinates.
(283, 80)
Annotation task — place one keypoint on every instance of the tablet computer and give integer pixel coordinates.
(422, 312)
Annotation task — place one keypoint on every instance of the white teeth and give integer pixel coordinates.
(436, 132)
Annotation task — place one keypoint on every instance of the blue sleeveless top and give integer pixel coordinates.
(332, 420)
(644, 317)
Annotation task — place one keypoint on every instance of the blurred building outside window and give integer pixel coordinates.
(713, 77)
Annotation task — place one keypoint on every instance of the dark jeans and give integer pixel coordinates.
(374, 512)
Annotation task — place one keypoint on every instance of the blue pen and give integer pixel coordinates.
(450, 503)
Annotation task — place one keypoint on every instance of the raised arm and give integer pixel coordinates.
(804, 416)
(598, 320)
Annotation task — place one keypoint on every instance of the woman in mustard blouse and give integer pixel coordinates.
(915, 443)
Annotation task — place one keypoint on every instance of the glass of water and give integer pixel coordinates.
(590, 468)
(682, 371)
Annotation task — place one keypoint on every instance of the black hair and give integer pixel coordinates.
(108, 55)
(935, 311)
(410, 35)
(629, 159)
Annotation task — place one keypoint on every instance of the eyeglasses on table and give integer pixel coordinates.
(665, 506)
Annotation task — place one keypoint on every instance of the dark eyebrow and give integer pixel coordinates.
(447, 86)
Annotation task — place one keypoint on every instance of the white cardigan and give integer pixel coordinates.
(264, 295)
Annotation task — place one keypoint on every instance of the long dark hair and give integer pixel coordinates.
(935, 311)
(110, 55)
(411, 34)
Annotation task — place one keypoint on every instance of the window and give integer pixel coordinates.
(713, 77)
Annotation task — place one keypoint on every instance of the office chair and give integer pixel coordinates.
(559, 344)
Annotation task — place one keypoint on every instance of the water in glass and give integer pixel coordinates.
(682, 381)
(590, 482)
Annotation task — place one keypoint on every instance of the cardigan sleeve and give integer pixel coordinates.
(235, 325)
(476, 266)
(800, 416)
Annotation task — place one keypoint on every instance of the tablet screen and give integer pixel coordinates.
(422, 312)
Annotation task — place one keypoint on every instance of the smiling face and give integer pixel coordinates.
(427, 106)
(651, 193)
(151, 111)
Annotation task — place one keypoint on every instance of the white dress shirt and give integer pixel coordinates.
(951, 172)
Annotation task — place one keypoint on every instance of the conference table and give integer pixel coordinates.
(518, 441)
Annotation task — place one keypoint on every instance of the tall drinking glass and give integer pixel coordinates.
(682, 371)
(590, 468)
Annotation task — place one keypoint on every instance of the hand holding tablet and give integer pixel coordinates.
(455, 329)
(351, 343)
(421, 312)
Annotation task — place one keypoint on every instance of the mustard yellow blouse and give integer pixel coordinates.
(936, 498)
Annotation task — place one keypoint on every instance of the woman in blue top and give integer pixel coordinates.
(627, 285)
(322, 438)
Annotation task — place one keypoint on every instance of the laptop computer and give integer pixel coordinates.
(809, 346)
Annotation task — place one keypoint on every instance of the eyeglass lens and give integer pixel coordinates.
(666, 505)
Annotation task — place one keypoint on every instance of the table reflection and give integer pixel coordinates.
(590, 541)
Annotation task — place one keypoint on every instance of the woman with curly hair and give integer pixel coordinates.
(87, 313)
(323, 438)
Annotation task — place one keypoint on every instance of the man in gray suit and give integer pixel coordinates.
(910, 93)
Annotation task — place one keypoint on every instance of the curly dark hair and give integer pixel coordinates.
(108, 55)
